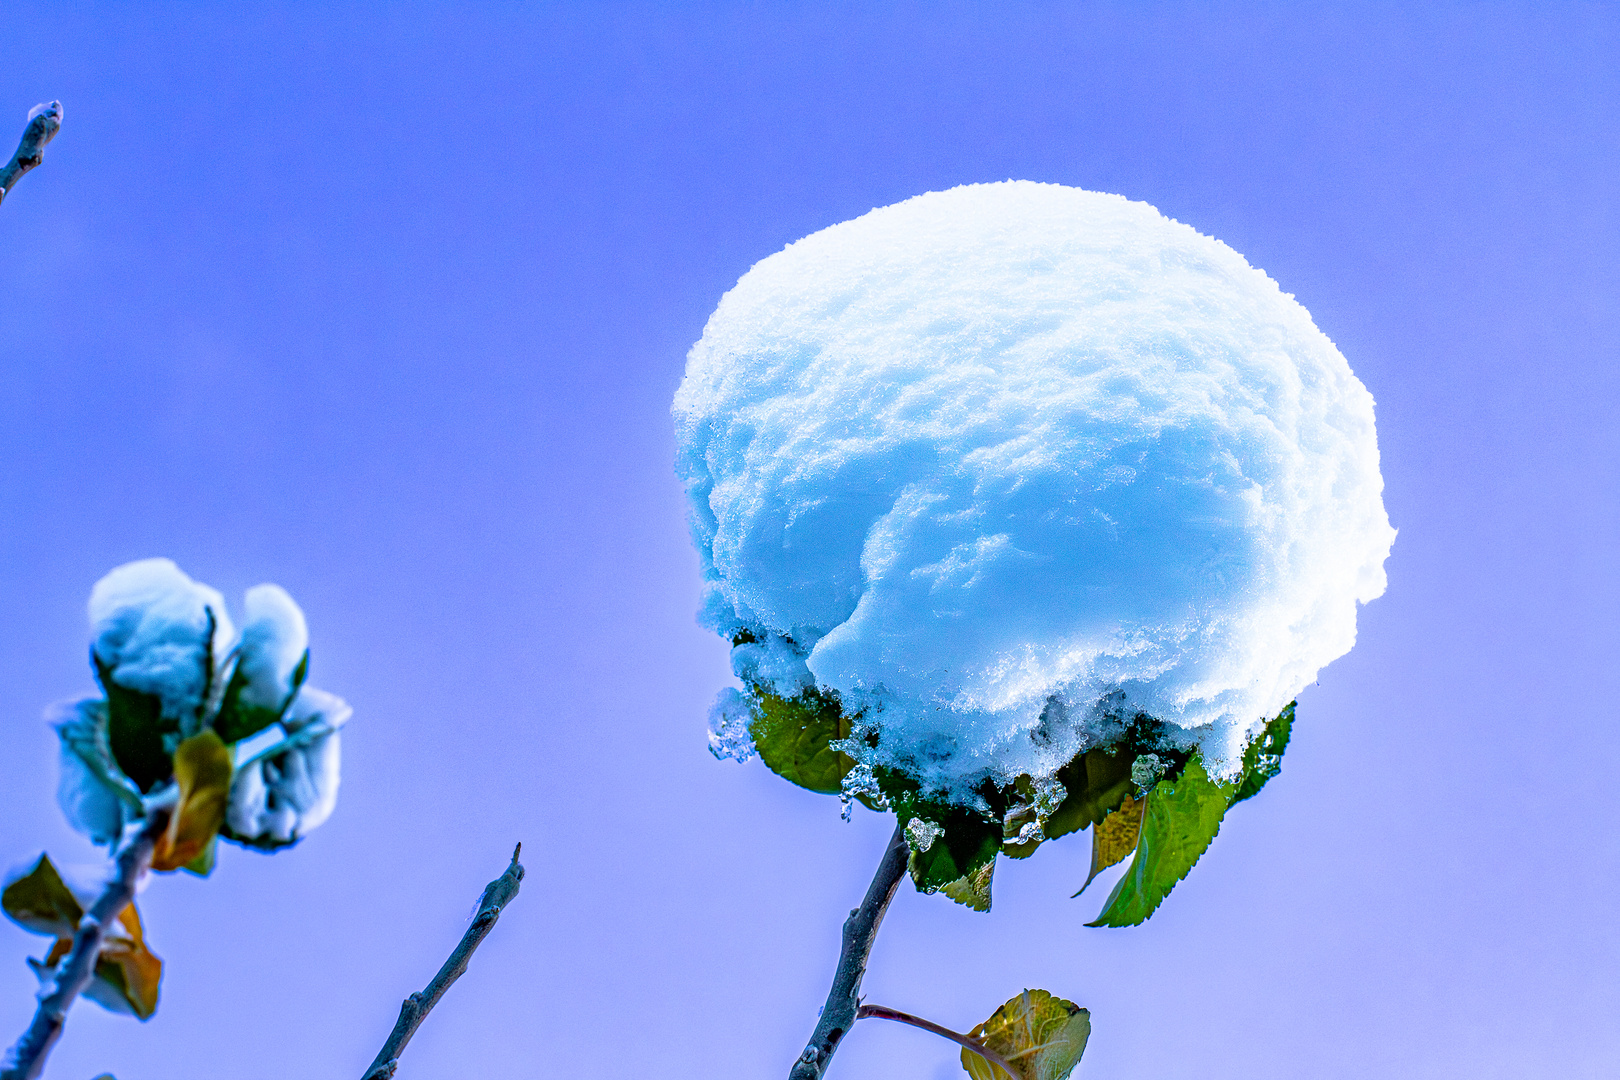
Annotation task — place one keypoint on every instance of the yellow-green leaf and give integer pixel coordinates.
(203, 864)
(1180, 820)
(202, 769)
(1042, 1036)
(1114, 837)
(39, 901)
(973, 889)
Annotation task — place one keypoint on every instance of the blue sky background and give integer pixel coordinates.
(387, 304)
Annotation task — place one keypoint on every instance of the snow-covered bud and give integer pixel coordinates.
(291, 787)
(275, 642)
(94, 794)
(272, 660)
(154, 631)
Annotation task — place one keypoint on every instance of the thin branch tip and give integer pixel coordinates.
(496, 895)
(44, 121)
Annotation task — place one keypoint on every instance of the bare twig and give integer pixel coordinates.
(843, 1000)
(26, 1058)
(44, 121)
(883, 1012)
(497, 894)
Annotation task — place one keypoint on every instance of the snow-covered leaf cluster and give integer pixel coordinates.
(1031, 496)
(217, 724)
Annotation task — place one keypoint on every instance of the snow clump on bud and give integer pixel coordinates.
(274, 645)
(155, 631)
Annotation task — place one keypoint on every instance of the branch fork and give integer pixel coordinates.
(26, 1058)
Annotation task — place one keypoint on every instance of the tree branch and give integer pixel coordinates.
(26, 1058)
(497, 894)
(843, 1000)
(44, 121)
(883, 1012)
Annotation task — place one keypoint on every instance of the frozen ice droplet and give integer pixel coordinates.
(728, 727)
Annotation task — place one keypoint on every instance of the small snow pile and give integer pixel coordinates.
(1002, 464)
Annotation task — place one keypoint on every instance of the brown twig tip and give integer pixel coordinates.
(44, 121)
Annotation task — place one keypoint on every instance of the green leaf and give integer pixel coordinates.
(1262, 758)
(962, 843)
(237, 721)
(792, 737)
(1042, 1036)
(203, 864)
(136, 727)
(1098, 780)
(41, 902)
(202, 769)
(1182, 816)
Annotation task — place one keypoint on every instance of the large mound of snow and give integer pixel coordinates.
(995, 461)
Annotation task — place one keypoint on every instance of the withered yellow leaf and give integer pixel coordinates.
(126, 971)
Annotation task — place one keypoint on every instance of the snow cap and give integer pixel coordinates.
(156, 631)
(274, 641)
(994, 461)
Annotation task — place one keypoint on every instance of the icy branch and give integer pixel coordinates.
(883, 1012)
(26, 1058)
(497, 894)
(44, 121)
(844, 999)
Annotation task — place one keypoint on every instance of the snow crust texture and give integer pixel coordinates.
(1004, 463)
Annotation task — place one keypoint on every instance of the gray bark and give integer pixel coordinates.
(43, 123)
(497, 894)
(26, 1058)
(844, 999)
